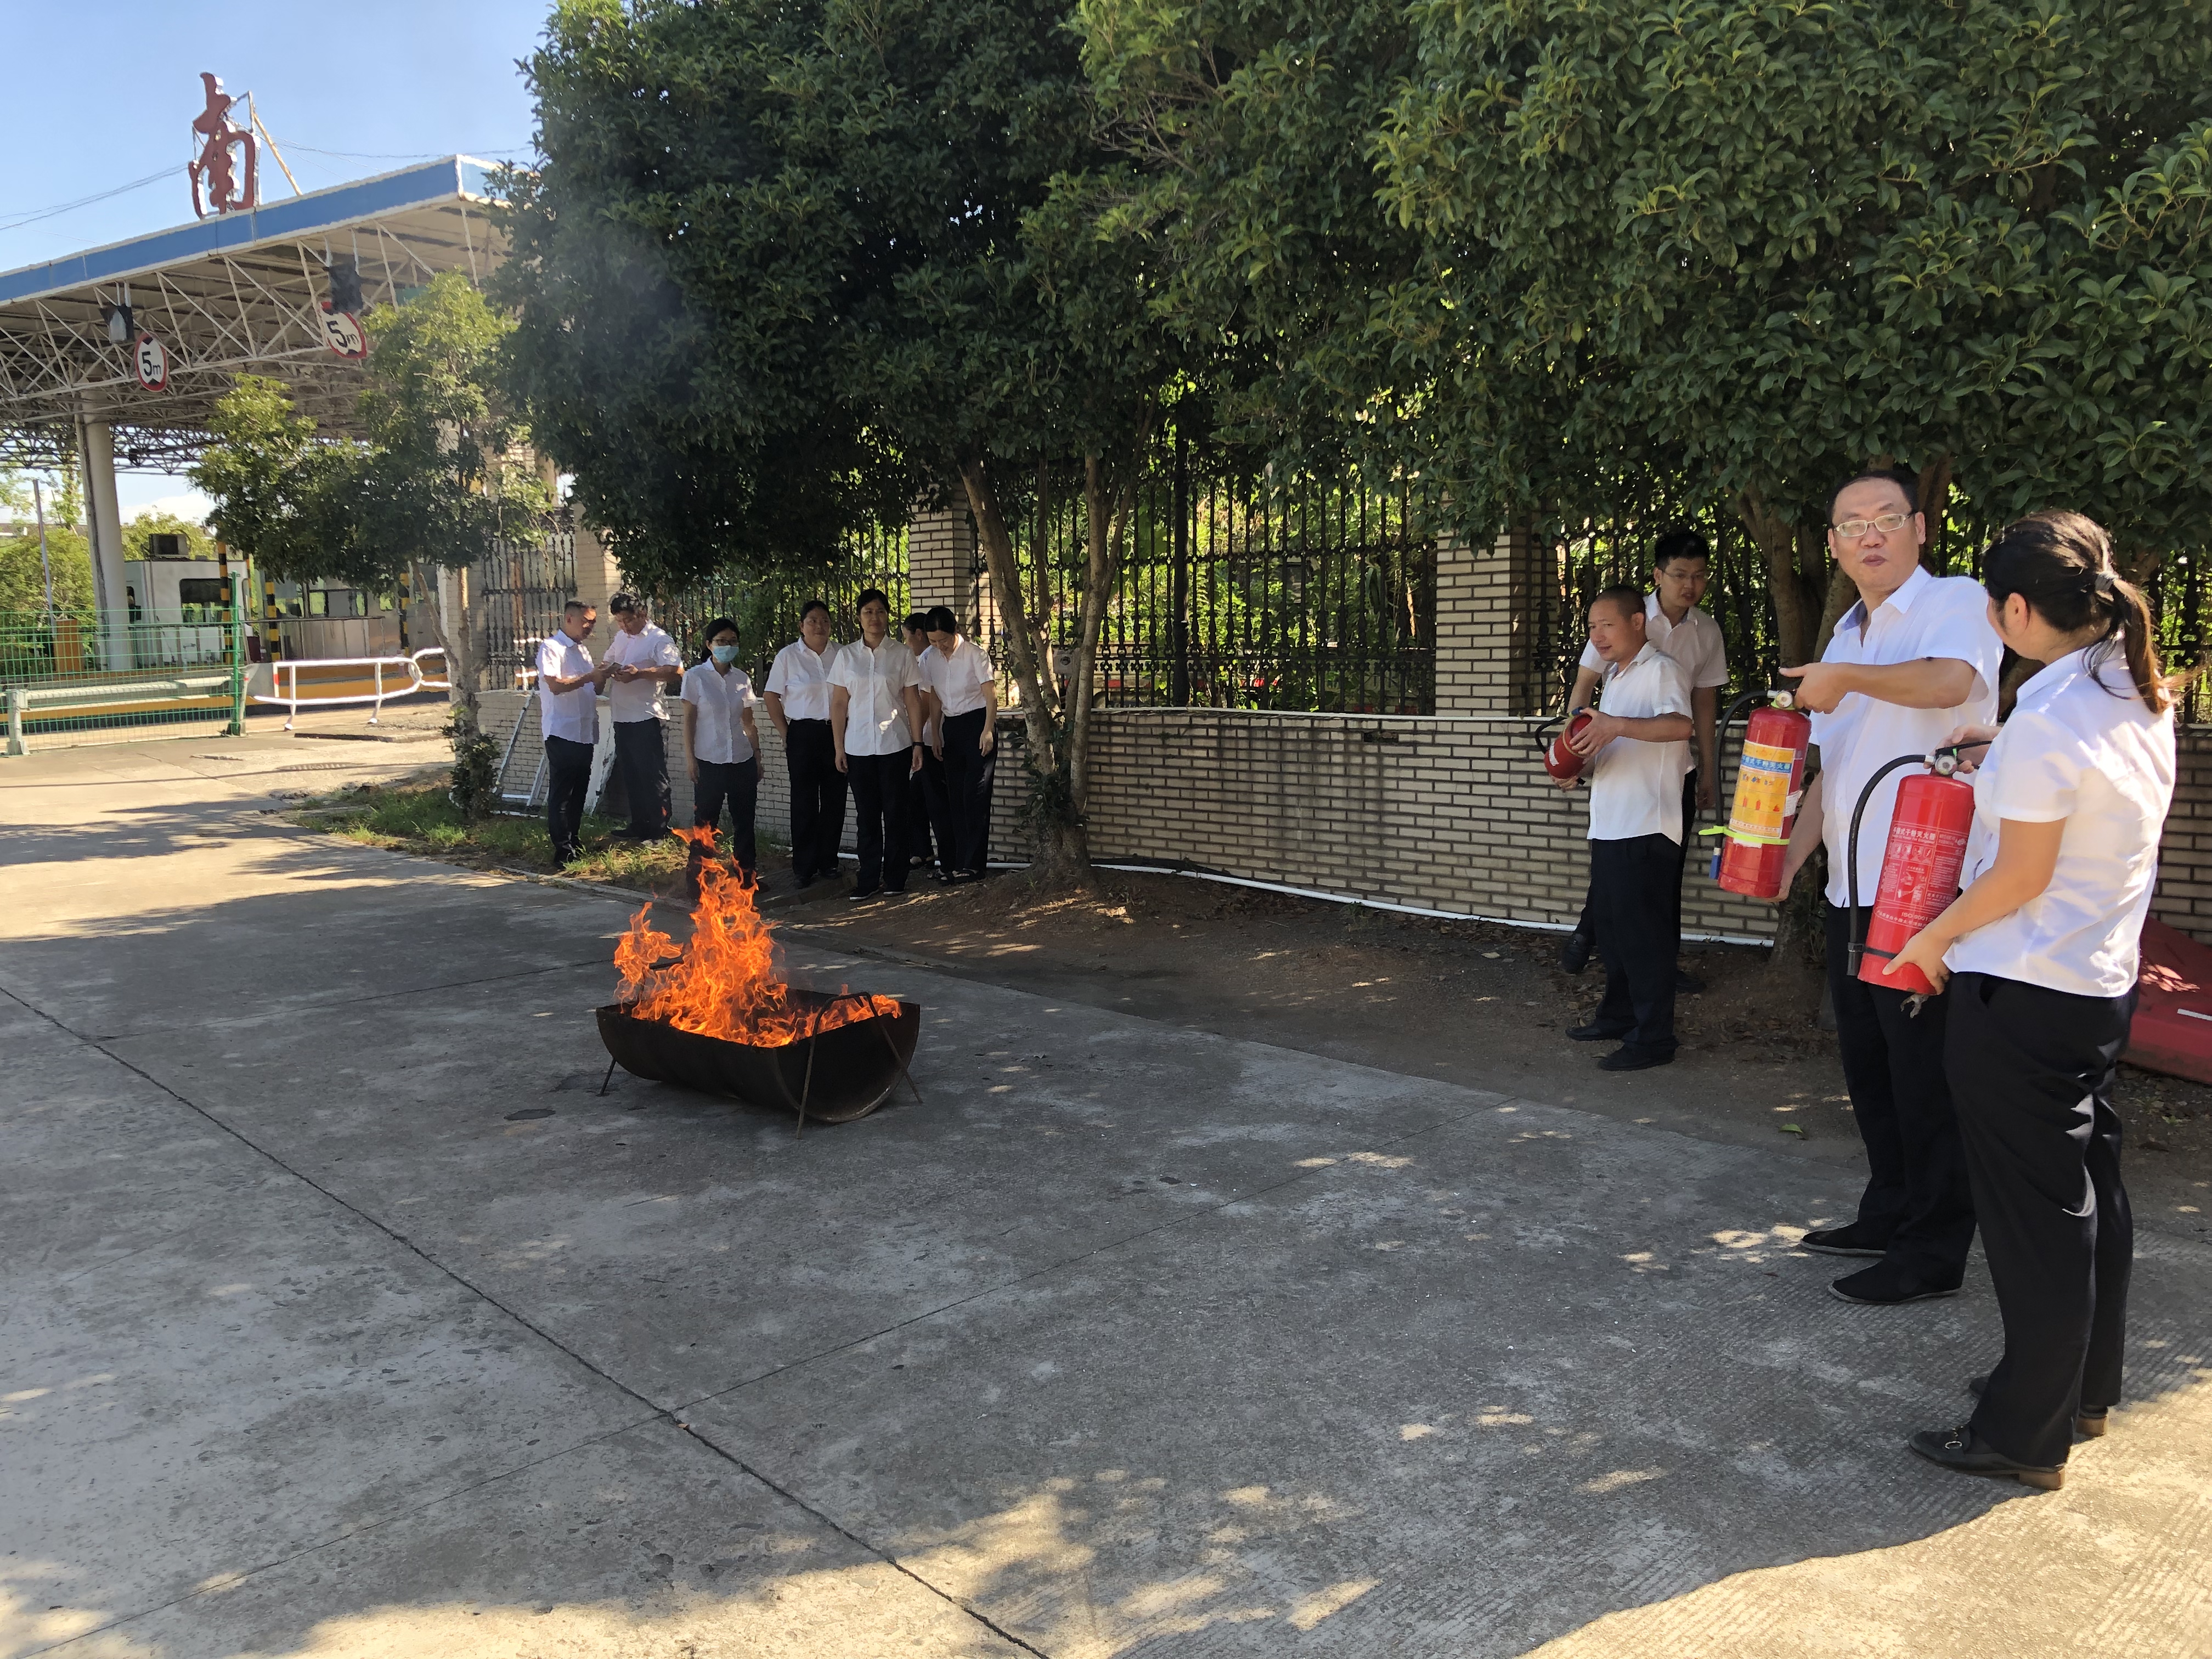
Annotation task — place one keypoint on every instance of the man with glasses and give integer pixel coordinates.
(1913, 660)
(568, 687)
(644, 659)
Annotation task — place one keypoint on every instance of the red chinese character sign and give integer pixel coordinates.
(151, 360)
(225, 175)
(342, 331)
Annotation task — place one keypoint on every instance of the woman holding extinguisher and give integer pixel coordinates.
(2041, 948)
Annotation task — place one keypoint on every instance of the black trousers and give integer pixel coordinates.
(2032, 1071)
(641, 758)
(879, 800)
(737, 784)
(1587, 923)
(568, 779)
(1634, 889)
(969, 775)
(817, 798)
(929, 816)
(1916, 1201)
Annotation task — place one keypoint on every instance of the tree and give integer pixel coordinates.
(1788, 240)
(138, 534)
(68, 553)
(442, 474)
(790, 270)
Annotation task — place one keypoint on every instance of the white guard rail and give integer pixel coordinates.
(383, 673)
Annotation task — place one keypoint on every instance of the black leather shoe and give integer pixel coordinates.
(1969, 1453)
(1687, 984)
(1841, 1241)
(1574, 954)
(1884, 1286)
(859, 893)
(1595, 1033)
(1633, 1060)
(2089, 1421)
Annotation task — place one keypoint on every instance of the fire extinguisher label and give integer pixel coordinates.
(1919, 874)
(1764, 800)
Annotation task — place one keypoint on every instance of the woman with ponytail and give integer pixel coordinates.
(2042, 949)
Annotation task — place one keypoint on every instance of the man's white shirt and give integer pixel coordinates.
(2094, 755)
(801, 678)
(1695, 642)
(1943, 617)
(571, 715)
(1635, 787)
(649, 648)
(875, 679)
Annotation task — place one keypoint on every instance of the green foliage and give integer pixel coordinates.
(138, 534)
(423, 819)
(1792, 238)
(475, 765)
(440, 476)
(778, 276)
(22, 584)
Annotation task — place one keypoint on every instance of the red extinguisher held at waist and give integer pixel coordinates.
(1561, 762)
(1919, 867)
(1770, 780)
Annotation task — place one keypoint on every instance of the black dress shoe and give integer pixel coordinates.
(1634, 1059)
(1843, 1241)
(1595, 1033)
(1574, 954)
(1885, 1286)
(2089, 1421)
(859, 893)
(1687, 984)
(1969, 1453)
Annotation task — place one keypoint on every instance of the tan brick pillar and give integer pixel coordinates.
(598, 577)
(943, 567)
(1485, 626)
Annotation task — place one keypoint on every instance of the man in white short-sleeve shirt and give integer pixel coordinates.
(1913, 660)
(645, 660)
(964, 687)
(1638, 745)
(568, 719)
(1681, 570)
(875, 718)
(796, 698)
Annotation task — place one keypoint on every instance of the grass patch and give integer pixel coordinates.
(421, 819)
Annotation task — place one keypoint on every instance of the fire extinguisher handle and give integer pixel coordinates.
(1856, 948)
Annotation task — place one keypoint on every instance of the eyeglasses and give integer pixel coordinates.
(1852, 529)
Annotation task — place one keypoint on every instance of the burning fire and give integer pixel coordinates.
(723, 983)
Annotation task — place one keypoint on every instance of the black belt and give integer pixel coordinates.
(796, 720)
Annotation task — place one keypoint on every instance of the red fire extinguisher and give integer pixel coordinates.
(1770, 781)
(1919, 867)
(1561, 762)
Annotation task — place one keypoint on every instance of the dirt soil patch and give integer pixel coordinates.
(1476, 1003)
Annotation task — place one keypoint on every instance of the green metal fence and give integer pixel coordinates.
(94, 670)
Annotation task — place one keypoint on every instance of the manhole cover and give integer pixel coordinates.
(529, 1112)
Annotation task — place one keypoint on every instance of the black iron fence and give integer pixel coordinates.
(1233, 594)
(765, 606)
(519, 593)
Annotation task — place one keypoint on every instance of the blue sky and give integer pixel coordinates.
(116, 87)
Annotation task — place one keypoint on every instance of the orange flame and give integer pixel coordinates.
(723, 983)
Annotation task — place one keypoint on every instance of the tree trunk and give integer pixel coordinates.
(1795, 598)
(455, 634)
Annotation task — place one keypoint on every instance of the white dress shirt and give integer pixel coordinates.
(1695, 642)
(1928, 617)
(718, 734)
(571, 715)
(959, 680)
(876, 680)
(1635, 787)
(649, 648)
(2092, 754)
(801, 678)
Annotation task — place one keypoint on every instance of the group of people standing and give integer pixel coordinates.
(907, 725)
(1990, 1103)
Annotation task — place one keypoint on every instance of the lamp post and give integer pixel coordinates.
(46, 566)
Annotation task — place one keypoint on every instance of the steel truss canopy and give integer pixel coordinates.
(237, 293)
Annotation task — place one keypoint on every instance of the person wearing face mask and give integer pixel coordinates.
(1915, 659)
(2041, 952)
(797, 701)
(721, 745)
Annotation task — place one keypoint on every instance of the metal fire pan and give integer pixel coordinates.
(839, 1074)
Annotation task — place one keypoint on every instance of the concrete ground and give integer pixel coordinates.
(1127, 1338)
